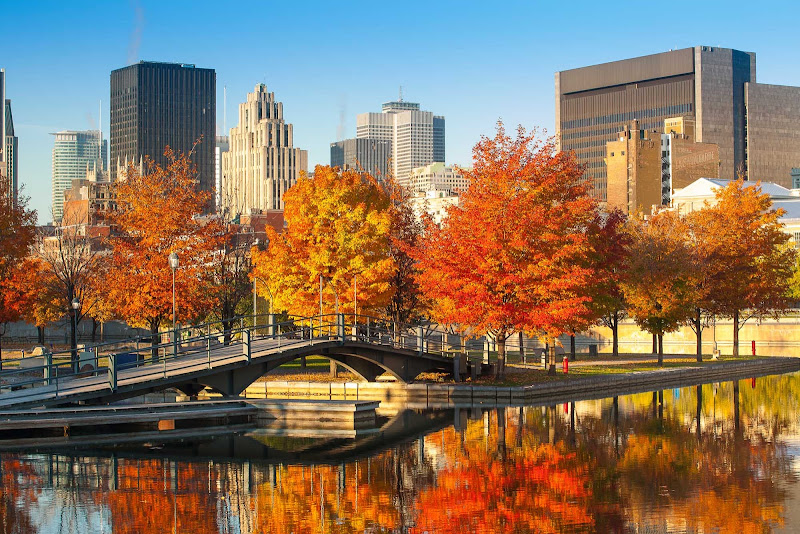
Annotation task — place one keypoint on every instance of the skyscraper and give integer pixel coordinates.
(417, 136)
(8, 141)
(370, 155)
(221, 146)
(262, 162)
(714, 86)
(155, 105)
(73, 153)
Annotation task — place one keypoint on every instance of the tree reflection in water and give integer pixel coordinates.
(685, 460)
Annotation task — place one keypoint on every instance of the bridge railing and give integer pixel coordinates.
(198, 346)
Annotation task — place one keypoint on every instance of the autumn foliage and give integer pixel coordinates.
(338, 228)
(512, 255)
(158, 213)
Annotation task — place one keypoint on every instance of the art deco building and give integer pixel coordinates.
(754, 125)
(369, 155)
(262, 162)
(437, 177)
(155, 105)
(73, 153)
(418, 137)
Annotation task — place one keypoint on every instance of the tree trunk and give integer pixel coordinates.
(95, 325)
(500, 371)
(551, 349)
(736, 333)
(572, 357)
(660, 350)
(334, 370)
(698, 329)
(522, 349)
(40, 334)
(655, 343)
(615, 334)
(227, 331)
(154, 341)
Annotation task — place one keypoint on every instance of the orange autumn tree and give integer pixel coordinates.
(157, 214)
(511, 256)
(747, 261)
(661, 283)
(17, 230)
(338, 229)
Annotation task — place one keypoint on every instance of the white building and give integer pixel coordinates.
(698, 193)
(221, 146)
(261, 163)
(417, 136)
(434, 203)
(437, 177)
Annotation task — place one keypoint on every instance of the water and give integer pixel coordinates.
(683, 460)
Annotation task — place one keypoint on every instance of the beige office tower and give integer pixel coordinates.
(644, 167)
(261, 163)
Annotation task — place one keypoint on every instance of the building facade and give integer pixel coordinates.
(262, 162)
(418, 137)
(220, 147)
(437, 177)
(363, 154)
(73, 153)
(159, 105)
(705, 83)
(773, 132)
(644, 167)
(9, 142)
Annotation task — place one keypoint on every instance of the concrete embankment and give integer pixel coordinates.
(566, 389)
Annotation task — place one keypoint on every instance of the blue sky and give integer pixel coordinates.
(328, 61)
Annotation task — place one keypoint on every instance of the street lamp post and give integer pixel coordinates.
(173, 263)
(76, 305)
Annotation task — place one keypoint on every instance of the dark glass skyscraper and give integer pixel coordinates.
(155, 105)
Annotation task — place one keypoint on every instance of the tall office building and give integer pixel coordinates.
(714, 86)
(418, 137)
(368, 155)
(8, 141)
(155, 105)
(75, 152)
(262, 162)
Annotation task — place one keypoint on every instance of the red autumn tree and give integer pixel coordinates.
(157, 214)
(511, 256)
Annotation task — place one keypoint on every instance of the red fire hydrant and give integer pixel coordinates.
(753, 345)
(566, 365)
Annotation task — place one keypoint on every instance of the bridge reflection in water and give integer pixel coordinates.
(718, 457)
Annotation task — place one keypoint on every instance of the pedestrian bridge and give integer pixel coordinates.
(196, 359)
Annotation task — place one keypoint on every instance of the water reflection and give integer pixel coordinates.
(711, 458)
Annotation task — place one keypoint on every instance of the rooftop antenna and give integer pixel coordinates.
(401, 93)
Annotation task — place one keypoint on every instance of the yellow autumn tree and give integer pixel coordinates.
(338, 229)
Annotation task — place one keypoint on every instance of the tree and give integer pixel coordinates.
(338, 229)
(406, 301)
(746, 255)
(229, 274)
(159, 213)
(610, 244)
(73, 266)
(511, 255)
(661, 280)
(17, 231)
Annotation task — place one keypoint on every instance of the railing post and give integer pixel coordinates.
(420, 339)
(208, 345)
(48, 369)
(272, 328)
(112, 372)
(246, 344)
(96, 358)
(174, 343)
(340, 327)
(311, 330)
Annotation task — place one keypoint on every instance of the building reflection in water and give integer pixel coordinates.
(710, 458)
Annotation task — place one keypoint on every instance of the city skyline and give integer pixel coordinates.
(475, 65)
